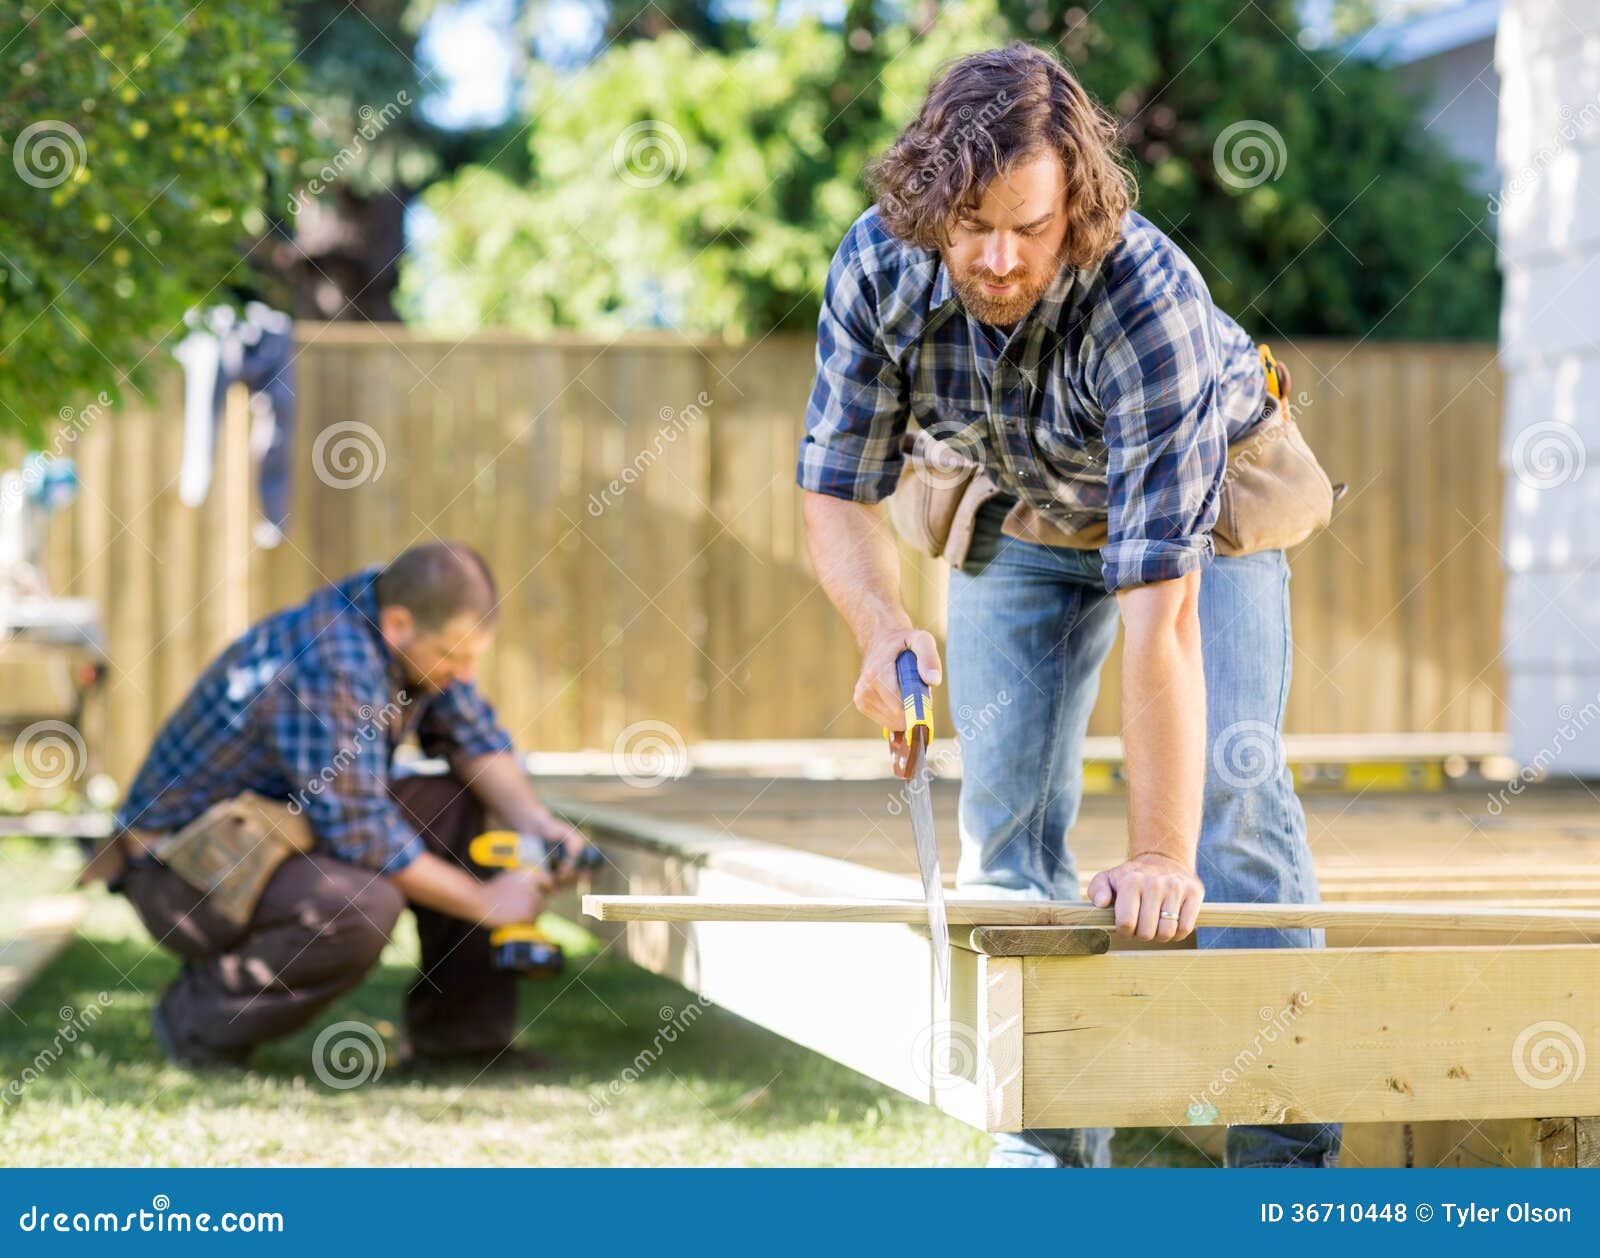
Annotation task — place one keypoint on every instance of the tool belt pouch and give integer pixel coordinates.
(232, 849)
(1274, 492)
(1274, 495)
(934, 508)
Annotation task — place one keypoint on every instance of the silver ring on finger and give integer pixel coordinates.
(1169, 916)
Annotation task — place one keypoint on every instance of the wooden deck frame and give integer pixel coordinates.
(1378, 1033)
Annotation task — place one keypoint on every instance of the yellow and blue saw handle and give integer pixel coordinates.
(906, 747)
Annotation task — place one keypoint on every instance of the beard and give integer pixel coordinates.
(1004, 309)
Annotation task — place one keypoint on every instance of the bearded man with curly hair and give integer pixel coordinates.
(1003, 293)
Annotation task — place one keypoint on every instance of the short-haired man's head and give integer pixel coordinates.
(986, 114)
(437, 610)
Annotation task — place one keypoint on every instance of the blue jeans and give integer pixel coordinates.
(1029, 627)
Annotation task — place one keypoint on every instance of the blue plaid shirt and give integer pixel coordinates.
(307, 707)
(1113, 401)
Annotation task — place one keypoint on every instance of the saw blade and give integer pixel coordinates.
(920, 800)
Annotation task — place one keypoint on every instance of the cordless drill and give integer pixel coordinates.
(524, 949)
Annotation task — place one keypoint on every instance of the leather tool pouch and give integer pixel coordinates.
(232, 849)
(935, 506)
(1274, 492)
(1274, 495)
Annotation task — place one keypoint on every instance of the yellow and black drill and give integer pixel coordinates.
(523, 948)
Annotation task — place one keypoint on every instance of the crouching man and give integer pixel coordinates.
(270, 789)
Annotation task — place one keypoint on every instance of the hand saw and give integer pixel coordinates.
(908, 754)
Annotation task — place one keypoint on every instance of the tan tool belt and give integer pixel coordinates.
(232, 849)
(1274, 492)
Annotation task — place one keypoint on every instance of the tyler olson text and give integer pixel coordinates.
(1511, 1212)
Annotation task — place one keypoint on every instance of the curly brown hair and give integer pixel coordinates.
(984, 113)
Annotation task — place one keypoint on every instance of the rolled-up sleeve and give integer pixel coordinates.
(459, 721)
(330, 742)
(858, 406)
(1166, 441)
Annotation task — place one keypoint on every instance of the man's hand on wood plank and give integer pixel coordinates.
(1155, 897)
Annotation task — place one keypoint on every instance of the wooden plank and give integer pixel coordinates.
(1000, 1022)
(1506, 1142)
(1376, 495)
(1040, 941)
(603, 602)
(1563, 1143)
(233, 487)
(1295, 1035)
(48, 928)
(970, 912)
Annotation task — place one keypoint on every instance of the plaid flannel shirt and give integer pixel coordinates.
(307, 707)
(1114, 400)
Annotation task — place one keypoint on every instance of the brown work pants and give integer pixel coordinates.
(317, 930)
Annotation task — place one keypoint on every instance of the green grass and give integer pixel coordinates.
(29, 869)
(724, 1092)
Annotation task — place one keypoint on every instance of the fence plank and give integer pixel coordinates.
(688, 598)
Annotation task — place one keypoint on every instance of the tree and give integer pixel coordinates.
(339, 234)
(142, 137)
(1301, 183)
(681, 186)
(707, 189)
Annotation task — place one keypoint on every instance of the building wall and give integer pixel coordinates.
(1548, 54)
(1460, 90)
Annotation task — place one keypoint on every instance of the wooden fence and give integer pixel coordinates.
(637, 502)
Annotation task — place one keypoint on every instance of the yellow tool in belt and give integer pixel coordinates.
(1278, 387)
(1277, 373)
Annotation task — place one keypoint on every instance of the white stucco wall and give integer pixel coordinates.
(1548, 56)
